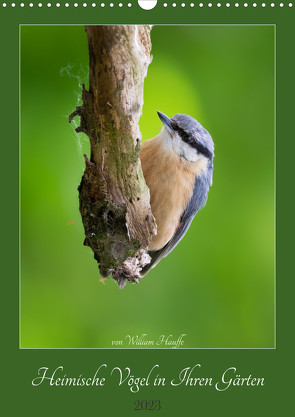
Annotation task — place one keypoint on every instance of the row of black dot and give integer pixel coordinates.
(164, 5)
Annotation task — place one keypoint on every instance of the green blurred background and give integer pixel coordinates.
(217, 286)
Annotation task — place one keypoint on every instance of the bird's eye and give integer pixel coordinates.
(184, 136)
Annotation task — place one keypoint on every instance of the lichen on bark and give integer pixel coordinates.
(113, 196)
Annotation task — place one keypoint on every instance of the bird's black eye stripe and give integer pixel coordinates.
(187, 139)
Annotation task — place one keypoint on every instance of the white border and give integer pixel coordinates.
(275, 142)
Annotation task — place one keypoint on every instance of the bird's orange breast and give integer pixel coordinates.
(171, 181)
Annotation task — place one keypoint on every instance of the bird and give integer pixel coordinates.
(177, 165)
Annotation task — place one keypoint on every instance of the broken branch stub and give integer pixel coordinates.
(114, 198)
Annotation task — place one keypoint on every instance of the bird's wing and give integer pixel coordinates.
(197, 201)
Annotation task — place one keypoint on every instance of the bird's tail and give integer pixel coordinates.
(156, 257)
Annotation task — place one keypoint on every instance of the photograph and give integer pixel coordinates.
(147, 186)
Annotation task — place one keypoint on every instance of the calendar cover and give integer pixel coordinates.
(147, 184)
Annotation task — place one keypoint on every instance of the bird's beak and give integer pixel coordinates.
(165, 120)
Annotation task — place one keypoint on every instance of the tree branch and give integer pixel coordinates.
(114, 198)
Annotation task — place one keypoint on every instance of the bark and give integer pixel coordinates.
(114, 198)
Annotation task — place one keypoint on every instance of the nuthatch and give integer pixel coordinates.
(177, 165)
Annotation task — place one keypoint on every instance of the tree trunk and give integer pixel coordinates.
(114, 198)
